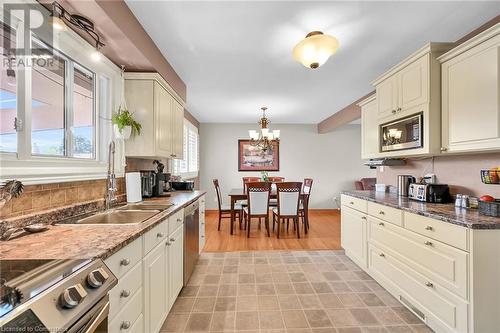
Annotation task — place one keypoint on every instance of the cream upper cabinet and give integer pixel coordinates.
(387, 99)
(369, 128)
(178, 132)
(470, 94)
(160, 111)
(413, 83)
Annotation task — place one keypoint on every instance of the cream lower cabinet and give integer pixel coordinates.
(470, 94)
(447, 275)
(160, 111)
(150, 277)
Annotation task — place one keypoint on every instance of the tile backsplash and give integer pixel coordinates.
(462, 172)
(37, 198)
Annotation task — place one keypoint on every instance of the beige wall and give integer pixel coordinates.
(460, 172)
(332, 160)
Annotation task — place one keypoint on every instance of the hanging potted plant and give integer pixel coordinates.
(124, 124)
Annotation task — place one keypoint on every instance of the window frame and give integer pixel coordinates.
(39, 169)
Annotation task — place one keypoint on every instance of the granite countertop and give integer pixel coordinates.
(469, 218)
(73, 241)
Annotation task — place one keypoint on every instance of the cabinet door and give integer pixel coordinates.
(163, 113)
(155, 289)
(413, 84)
(369, 130)
(353, 235)
(176, 263)
(202, 224)
(387, 97)
(471, 110)
(177, 130)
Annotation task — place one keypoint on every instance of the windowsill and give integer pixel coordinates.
(188, 175)
(43, 170)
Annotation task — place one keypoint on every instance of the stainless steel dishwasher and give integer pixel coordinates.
(191, 239)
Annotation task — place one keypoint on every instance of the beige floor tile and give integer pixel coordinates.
(247, 320)
(176, 322)
(284, 289)
(364, 317)
(321, 287)
(270, 320)
(294, 319)
(310, 302)
(208, 290)
(246, 278)
(341, 317)
(303, 288)
(266, 289)
(386, 316)
(225, 304)
(289, 302)
(330, 301)
(183, 304)
(189, 291)
(223, 321)
(317, 318)
(349, 330)
(297, 277)
(370, 299)
(246, 303)
(264, 278)
(406, 315)
(399, 329)
(204, 304)
(247, 289)
(351, 300)
(268, 303)
(227, 290)
(199, 322)
(211, 279)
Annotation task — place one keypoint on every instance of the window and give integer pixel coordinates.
(8, 93)
(188, 167)
(62, 112)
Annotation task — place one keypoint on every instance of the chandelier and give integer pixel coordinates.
(266, 138)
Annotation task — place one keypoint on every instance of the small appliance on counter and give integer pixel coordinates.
(161, 181)
(433, 193)
(148, 181)
(404, 182)
(182, 185)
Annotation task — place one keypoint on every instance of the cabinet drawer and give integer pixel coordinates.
(154, 236)
(175, 221)
(127, 286)
(138, 326)
(426, 298)
(124, 320)
(358, 204)
(389, 214)
(442, 231)
(440, 262)
(123, 260)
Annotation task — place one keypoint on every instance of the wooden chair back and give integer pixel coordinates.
(249, 180)
(288, 194)
(308, 183)
(217, 190)
(258, 194)
(276, 179)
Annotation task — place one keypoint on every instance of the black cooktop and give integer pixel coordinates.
(23, 279)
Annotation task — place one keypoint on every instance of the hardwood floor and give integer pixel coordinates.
(324, 233)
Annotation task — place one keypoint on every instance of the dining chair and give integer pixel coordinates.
(273, 181)
(288, 194)
(225, 210)
(304, 202)
(258, 194)
(276, 179)
(249, 180)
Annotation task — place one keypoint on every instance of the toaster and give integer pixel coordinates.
(434, 193)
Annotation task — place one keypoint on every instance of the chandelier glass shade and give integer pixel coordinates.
(266, 138)
(314, 50)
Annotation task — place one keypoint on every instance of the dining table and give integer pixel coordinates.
(238, 194)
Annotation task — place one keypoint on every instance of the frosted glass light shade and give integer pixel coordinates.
(265, 132)
(251, 133)
(315, 49)
(276, 134)
(270, 136)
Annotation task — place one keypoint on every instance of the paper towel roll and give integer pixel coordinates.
(133, 185)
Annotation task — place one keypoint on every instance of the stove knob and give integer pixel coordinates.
(97, 277)
(72, 296)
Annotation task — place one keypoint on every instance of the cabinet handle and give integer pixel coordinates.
(125, 293)
(179, 220)
(398, 109)
(382, 255)
(125, 262)
(363, 217)
(429, 284)
(202, 236)
(429, 228)
(160, 235)
(167, 244)
(444, 149)
(351, 203)
(428, 243)
(381, 212)
(125, 325)
(172, 240)
(381, 224)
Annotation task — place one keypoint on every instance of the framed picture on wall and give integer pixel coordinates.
(252, 158)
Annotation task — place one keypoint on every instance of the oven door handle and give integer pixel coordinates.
(98, 319)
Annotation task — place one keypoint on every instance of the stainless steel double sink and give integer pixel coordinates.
(128, 214)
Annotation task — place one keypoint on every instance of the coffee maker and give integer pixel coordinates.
(161, 181)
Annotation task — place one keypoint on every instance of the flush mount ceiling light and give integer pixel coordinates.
(314, 50)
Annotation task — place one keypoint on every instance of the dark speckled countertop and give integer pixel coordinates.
(73, 241)
(469, 218)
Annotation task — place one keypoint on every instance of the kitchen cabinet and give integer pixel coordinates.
(156, 288)
(470, 94)
(369, 128)
(160, 111)
(202, 224)
(410, 87)
(353, 234)
(444, 273)
(175, 264)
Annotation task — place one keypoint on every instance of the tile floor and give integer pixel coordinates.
(281, 291)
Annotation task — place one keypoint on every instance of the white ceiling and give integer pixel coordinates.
(236, 56)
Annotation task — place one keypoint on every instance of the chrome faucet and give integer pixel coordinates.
(111, 179)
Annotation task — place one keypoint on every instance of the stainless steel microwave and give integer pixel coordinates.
(404, 133)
